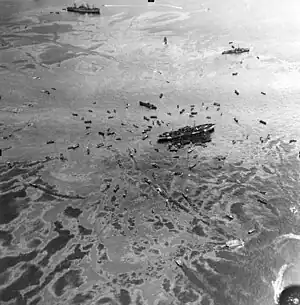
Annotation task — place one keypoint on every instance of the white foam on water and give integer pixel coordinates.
(287, 236)
(278, 283)
(130, 5)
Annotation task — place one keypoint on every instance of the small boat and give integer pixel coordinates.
(83, 9)
(188, 133)
(236, 51)
(148, 105)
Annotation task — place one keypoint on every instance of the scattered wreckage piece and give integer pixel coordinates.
(262, 122)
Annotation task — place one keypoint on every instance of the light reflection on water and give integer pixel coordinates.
(119, 242)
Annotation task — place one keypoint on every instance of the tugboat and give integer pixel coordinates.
(236, 51)
(199, 133)
(83, 9)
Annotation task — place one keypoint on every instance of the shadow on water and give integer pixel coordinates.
(119, 244)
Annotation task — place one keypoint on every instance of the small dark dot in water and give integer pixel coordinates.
(72, 212)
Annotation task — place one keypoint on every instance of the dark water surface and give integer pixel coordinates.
(118, 244)
(203, 225)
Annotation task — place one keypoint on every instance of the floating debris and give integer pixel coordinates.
(148, 105)
(251, 231)
(62, 157)
(261, 201)
(117, 187)
(236, 92)
(230, 217)
(234, 73)
(99, 145)
(100, 133)
(182, 111)
(234, 243)
(147, 119)
(161, 95)
(292, 141)
(75, 146)
(153, 116)
(236, 120)
(75, 114)
(169, 113)
(263, 93)
(179, 263)
(192, 166)
(194, 113)
(88, 122)
(45, 91)
(236, 51)
(178, 173)
(217, 104)
(50, 142)
(165, 38)
(262, 122)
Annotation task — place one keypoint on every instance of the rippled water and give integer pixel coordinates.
(204, 225)
(119, 243)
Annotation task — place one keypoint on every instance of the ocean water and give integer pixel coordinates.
(105, 223)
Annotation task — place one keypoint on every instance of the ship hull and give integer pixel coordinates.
(94, 11)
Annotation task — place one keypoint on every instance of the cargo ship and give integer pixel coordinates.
(236, 51)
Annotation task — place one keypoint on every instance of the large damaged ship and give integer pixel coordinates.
(83, 9)
(199, 133)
